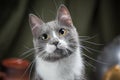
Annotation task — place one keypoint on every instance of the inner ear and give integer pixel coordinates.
(35, 21)
(63, 16)
(35, 24)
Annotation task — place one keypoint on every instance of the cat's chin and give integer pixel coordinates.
(58, 51)
(58, 54)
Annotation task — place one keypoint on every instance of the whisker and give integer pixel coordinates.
(66, 52)
(27, 56)
(92, 43)
(85, 49)
(70, 49)
(42, 53)
(26, 71)
(24, 53)
(88, 64)
(88, 38)
(84, 37)
(33, 62)
(94, 59)
(30, 50)
(92, 49)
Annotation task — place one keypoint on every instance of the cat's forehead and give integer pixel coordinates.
(51, 25)
(48, 27)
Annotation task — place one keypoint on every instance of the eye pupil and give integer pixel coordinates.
(44, 36)
(61, 31)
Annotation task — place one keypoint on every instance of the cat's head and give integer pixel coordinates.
(56, 39)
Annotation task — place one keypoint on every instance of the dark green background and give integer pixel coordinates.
(91, 17)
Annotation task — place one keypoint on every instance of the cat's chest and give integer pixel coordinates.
(51, 70)
(66, 69)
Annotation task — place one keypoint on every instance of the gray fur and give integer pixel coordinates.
(50, 26)
(65, 59)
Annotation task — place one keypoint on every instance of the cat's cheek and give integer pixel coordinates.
(50, 48)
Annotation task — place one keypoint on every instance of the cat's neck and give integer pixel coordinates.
(53, 70)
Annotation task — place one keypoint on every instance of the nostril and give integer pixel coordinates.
(55, 43)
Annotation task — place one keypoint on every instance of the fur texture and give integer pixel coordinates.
(58, 54)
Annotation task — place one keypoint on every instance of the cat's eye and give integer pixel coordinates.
(45, 37)
(62, 31)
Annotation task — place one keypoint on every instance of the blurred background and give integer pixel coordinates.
(96, 20)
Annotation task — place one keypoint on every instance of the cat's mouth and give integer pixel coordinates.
(58, 54)
(57, 50)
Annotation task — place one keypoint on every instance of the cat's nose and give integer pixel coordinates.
(55, 43)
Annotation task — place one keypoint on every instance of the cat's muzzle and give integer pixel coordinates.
(58, 54)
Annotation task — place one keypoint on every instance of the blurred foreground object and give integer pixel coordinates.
(113, 73)
(109, 68)
(15, 69)
(2, 76)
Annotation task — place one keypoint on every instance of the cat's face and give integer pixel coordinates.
(56, 39)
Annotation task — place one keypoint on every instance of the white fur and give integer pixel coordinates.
(53, 70)
(63, 44)
(50, 48)
(54, 35)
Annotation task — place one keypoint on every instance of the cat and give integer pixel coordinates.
(57, 48)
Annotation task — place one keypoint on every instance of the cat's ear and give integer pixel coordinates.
(63, 16)
(35, 23)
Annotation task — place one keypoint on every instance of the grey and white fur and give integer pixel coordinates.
(57, 48)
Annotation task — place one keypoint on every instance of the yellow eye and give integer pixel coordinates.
(62, 32)
(45, 37)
